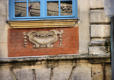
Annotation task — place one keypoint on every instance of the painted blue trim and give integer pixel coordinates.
(27, 9)
(43, 11)
(13, 8)
(75, 7)
(20, 1)
(10, 12)
(42, 19)
(45, 17)
(29, 1)
(46, 8)
(42, 8)
(57, 0)
(34, 0)
(59, 7)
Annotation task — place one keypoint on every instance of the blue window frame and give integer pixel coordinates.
(42, 9)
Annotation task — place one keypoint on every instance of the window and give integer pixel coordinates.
(42, 9)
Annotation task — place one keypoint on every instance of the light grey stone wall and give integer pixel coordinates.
(99, 29)
(96, 4)
(55, 70)
(3, 28)
(98, 16)
(84, 36)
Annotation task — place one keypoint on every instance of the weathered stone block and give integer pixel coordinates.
(82, 72)
(23, 74)
(97, 72)
(3, 36)
(108, 72)
(96, 3)
(100, 42)
(42, 73)
(98, 16)
(62, 72)
(5, 74)
(97, 41)
(3, 7)
(97, 50)
(100, 30)
(3, 28)
(3, 50)
(84, 38)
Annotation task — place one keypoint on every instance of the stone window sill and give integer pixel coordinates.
(43, 23)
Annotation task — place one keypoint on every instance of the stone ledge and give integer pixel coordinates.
(100, 42)
(55, 57)
(43, 23)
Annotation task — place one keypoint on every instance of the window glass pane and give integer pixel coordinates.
(66, 7)
(20, 9)
(52, 8)
(34, 8)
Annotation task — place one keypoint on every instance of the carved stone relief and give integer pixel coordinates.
(43, 39)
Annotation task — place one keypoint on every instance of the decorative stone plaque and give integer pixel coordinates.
(43, 39)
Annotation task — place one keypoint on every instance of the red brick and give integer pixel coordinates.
(70, 43)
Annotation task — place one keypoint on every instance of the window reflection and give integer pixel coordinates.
(66, 7)
(34, 9)
(52, 8)
(20, 9)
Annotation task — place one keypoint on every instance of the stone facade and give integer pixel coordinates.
(56, 68)
(92, 62)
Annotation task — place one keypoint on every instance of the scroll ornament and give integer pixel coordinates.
(43, 39)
